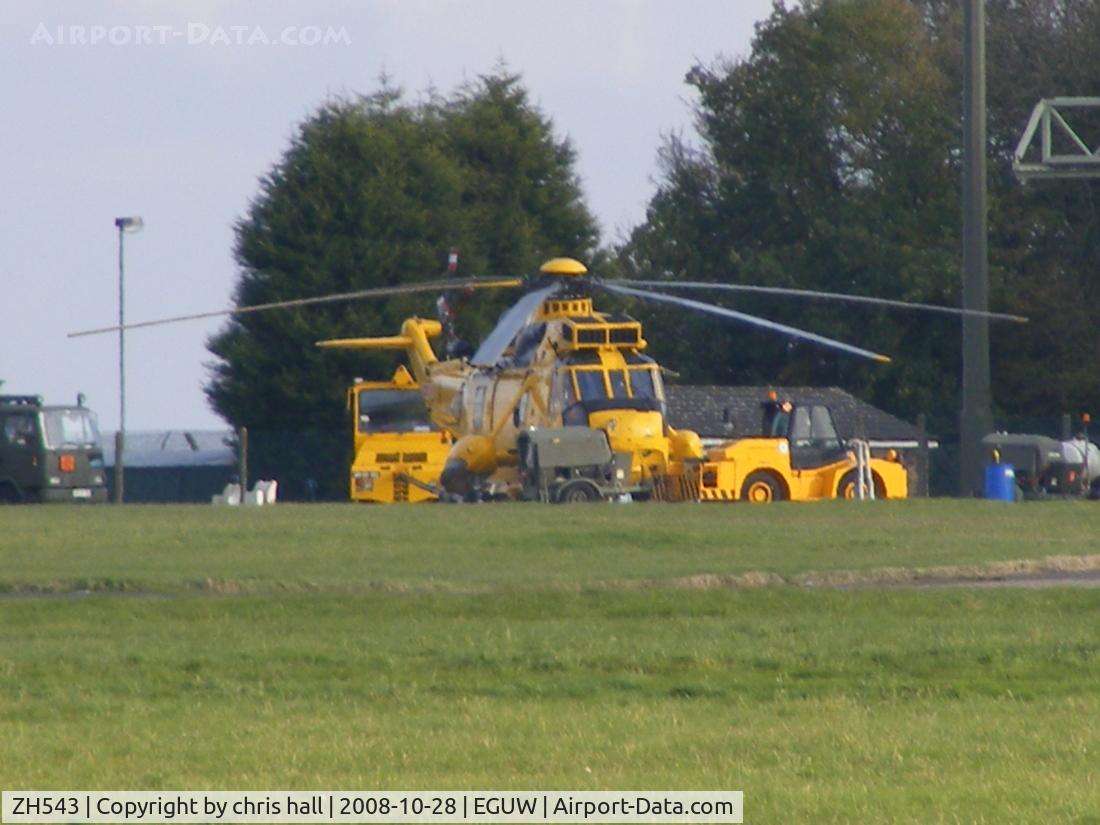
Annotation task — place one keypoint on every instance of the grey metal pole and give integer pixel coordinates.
(242, 460)
(120, 441)
(976, 417)
(131, 224)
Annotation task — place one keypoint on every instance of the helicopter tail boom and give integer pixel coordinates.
(414, 339)
(389, 342)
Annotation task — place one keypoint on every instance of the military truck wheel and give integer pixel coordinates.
(9, 493)
(577, 492)
(848, 487)
(761, 487)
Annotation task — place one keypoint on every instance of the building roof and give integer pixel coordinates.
(173, 448)
(734, 412)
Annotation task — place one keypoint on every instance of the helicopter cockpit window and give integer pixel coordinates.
(563, 390)
(573, 414)
(642, 384)
(590, 385)
(392, 411)
(618, 383)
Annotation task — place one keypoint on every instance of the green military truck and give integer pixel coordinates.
(48, 452)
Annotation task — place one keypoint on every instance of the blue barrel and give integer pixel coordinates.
(1000, 482)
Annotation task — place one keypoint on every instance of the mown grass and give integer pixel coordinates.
(488, 660)
(357, 548)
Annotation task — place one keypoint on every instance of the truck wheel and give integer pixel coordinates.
(9, 493)
(577, 492)
(761, 487)
(848, 486)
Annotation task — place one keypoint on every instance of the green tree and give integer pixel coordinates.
(830, 158)
(823, 164)
(372, 191)
(1044, 235)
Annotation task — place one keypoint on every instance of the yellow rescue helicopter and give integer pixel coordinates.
(555, 361)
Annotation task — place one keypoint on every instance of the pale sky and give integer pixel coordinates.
(174, 111)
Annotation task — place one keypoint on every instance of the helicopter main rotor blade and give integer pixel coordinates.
(831, 296)
(752, 320)
(509, 325)
(374, 292)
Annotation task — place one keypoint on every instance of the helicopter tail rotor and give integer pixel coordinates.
(447, 307)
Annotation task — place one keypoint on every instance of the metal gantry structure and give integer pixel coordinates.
(1063, 153)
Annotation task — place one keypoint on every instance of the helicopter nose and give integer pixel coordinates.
(631, 430)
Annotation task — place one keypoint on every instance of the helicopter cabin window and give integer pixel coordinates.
(479, 407)
(392, 411)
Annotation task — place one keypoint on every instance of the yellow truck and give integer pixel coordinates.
(798, 457)
(399, 453)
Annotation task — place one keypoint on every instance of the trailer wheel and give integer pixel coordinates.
(762, 487)
(577, 492)
(848, 487)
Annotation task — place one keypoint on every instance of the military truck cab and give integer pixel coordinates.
(49, 453)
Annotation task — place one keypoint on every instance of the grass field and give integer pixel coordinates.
(341, 647)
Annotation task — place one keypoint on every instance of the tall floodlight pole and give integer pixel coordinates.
(130, 224)
(976, 417)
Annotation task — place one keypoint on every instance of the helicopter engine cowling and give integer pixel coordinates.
(470, 457)
(684, 445)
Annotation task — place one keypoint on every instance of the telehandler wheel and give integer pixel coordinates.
(848, 488)
(577, 492)
(761, 487)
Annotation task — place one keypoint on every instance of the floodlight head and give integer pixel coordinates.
(133, 223)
